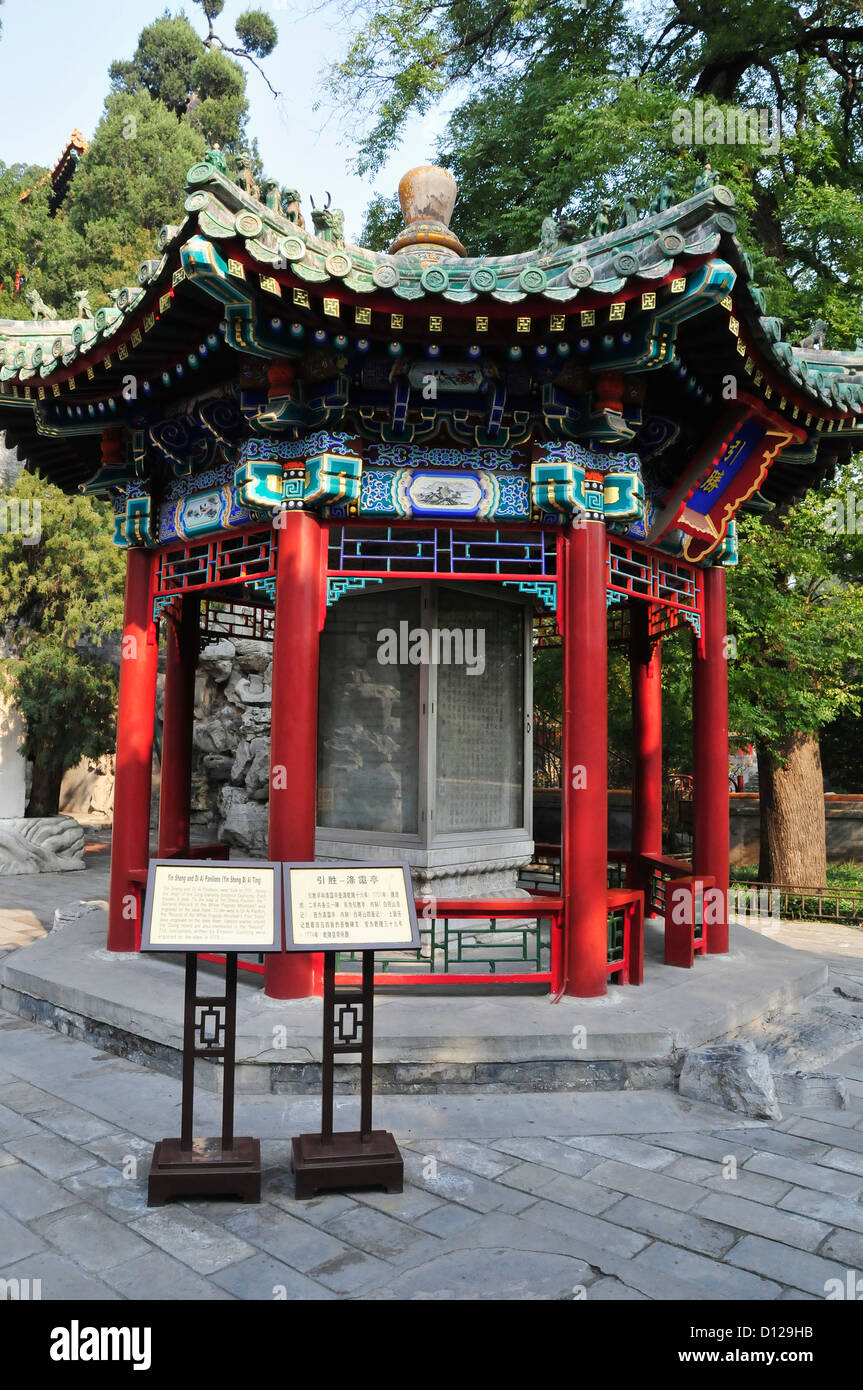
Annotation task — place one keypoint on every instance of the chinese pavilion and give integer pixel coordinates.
(322, 442)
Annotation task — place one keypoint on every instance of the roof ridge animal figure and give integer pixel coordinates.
(601, 223)
(817, 335)
(630, 211)
(38, 307)
(665, 197)
(83, 308)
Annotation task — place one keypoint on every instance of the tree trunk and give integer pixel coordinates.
(793, 825)
(45, 792)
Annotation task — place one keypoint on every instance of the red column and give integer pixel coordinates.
(175, 786)
(293, 740)
(135, 715)
(710, 751)
(645, 664)
(585, 770)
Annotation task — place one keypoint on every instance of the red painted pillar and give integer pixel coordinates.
(175, 786)
(645, 664)
(135, 716)
(293, 740)
(710, 751)
(585, 770)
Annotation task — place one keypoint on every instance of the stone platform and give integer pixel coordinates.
(634, 1038)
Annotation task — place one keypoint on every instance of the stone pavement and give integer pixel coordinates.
(604, 1195)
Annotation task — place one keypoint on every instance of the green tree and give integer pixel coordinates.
(24, 229)
(61, 594)
(795, 615)
(129, 183)
(556, 105)
(197, 78)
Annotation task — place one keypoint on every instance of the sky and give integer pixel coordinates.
(54, 60)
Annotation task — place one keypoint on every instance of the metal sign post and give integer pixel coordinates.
(192, 906)
(344, 907)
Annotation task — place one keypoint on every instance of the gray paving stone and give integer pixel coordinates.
(839, 1119)
(528, 1177)
(550, 1153)
(117, 1147)
(745, 1183)
(463, 1153)
(757, 1219)
(25, 1099)
(261, 1278)
(15, 1126)
(26, 1194)
(785, 1264)
(583, 1196)
(618, 1146)
(837, 1134)
(92, 1239)
(199, 1243)
(406, 1205)
(316, 1210)
(352, 1272)
(613, 1291)
(7, 1158)
(155, 1276)
(715, 1279)
(846, 1246)
(699, 1145)
(16, 1242)
(75, 1124)
(297, 1243)
(62, 1281)
(374, 1232)
(836, 1211)
(447, 1220)
(105, 1187)
(489, 1274)
(844, 1160)
(592, 1230)
(455, 1185)
(800, 1174)
(641, 1182)
(770, 1140)
(684, 1228)
(52, 1156)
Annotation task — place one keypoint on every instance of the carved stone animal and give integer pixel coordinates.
(291, 207)
(665, 197)
(601, 221)
(329, 223)
(706, 179)
(630, 211)
(548, 237)
(83, 309)
(817, 336)
(38, 307)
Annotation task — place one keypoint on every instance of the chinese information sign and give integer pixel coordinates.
(199, 905)
(349, 907)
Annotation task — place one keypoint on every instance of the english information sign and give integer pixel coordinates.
(201, 905)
